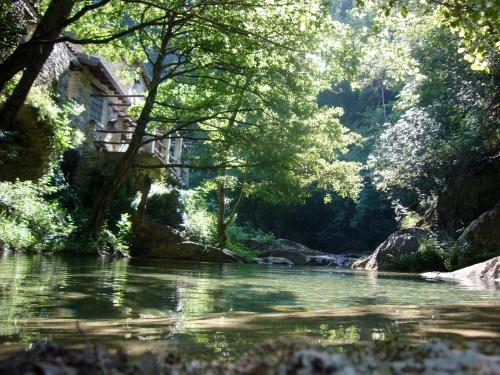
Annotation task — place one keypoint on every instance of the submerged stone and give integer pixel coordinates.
(273, 260)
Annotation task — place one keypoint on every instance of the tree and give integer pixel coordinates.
(476, 22)
(263, 124)
(30, 56)
(448, 123)
(211, 70)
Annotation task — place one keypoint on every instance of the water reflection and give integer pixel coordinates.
(219, 311)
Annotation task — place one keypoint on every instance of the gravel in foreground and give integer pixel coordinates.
(274, 357)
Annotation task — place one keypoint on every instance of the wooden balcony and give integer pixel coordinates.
(118, 141)
(163, 150)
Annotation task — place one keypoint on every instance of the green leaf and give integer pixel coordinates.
(404, 11)
(469, 58)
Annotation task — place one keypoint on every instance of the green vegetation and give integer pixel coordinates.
(430, 256)
(425, 118)
(29, 220)
(171, 171)
(456, 257)
(332, 124)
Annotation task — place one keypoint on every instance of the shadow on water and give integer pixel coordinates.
(220, 310)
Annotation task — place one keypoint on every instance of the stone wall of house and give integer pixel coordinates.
(57, 65)
(78, 87)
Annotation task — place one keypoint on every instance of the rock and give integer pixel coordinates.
(283, 356)
(284, 244)
(488, 272)
(322, 260)
(301, 255)
(399, 244)
(330, 261)
(298, 253)
(161, 241)
(273, 260)
(296, 258)
(483, 234)
(475, 192)
(360, 263)
(192, 251)
(150, 230)
(255, 244)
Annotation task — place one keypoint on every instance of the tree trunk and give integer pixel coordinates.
(47, 29)
(101, 205)
(221, 211)
(31, 56)
(141, 208)
(383, 101)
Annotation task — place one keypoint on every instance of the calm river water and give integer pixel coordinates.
(221, 310)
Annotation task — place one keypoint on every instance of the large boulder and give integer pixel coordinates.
(479, 241)
(488, 272)
(361, 263)
(388, 254)
(483, 234)
(191, 251)
(298, 253)
(475, 192)
(330, 260)
(161, 241)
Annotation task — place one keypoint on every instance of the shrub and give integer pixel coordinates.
(124, 235)
(29, 220)
(410, 220)
(237, 235)
(164, 206)
(116, 243)
(198, 223)
(428, 257)
(456, 257)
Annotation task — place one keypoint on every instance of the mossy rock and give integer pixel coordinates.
(407, 250)
(26, 153)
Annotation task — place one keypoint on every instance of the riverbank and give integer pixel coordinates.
(272, 357)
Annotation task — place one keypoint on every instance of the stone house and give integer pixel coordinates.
(106, 90)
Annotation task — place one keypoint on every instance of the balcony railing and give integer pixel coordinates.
(118, 141)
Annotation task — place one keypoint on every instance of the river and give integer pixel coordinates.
(219, 311)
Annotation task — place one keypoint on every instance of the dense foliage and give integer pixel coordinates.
(424, 115)
(329, 123)
(30, 220)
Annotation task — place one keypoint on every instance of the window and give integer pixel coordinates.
(96, 105)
